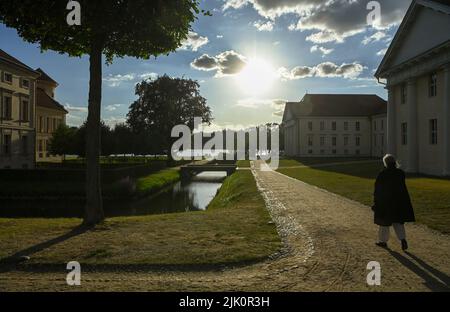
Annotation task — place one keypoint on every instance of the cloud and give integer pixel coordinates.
(264, 26)
(326, 70)
(79, 109)
(331, 20)
(194, 41)
(374, 38)
(112, 107)
(276, 104)
(324, 51)
(113, 121)
(114, 81)
(225, 64)
(382, 52)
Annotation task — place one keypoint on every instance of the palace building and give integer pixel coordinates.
(335, 125)
(29, 114)
(17, 113)
(416, 70)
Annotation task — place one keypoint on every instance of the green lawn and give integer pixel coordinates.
(155, 182)
(310, 161)
(243, 163)
(235, 229)
(430, 196)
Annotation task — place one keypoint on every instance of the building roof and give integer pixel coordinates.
(45, 77)
(442, 6)
(336, 105)
(12, 60)
(44, 100)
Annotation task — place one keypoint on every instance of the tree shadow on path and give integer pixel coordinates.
(435, 280)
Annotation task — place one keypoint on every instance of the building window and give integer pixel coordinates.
(334, 126)
(310, 152)
(310, 126)
(7, 144)
(7, 108)
(334, 152)
(322, 141)
(310, 140)
(48, 125)
(404, 133)
(382, 124)
(382, 140)
(433, 85)
(358, 141)
(8, 78)
(346, 141)
(55, 124)
(345, 152)
(403, 93)
(322, 125)
(375, 125)
(24, 112)
(374, 140)
(24, 145)
(25, 83)
(358, 126)
(433, 132)
(334, 142)
(358, 152)
(322, 152)
(346, 126)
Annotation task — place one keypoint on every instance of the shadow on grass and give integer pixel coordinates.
(435, 280)
(131, 268)
(28, 252)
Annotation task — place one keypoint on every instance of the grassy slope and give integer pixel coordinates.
(156, 181)
(310, 161)
(234, 229)
(431, 197)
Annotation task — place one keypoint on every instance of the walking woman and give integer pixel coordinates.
(392, 204)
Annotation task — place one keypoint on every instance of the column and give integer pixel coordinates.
(413, 144)
(391, 123)
(446, 122)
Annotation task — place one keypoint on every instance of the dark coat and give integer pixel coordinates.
(391, 198)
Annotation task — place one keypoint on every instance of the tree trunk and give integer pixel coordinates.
(94, 205)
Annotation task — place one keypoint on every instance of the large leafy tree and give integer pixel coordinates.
(164, 103)
(62, 141)
(137, 28)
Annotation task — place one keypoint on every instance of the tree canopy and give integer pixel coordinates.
(164, 103)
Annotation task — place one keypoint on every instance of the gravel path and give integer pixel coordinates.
(328, 239)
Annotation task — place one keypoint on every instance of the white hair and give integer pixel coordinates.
(390, 160)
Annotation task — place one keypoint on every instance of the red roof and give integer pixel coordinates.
(44, 100)
(337, 105)
(45, 77)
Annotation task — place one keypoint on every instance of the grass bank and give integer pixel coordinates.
(430, 196)
(233, 230)
(155, 182)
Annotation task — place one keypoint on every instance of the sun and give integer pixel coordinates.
(257, 77)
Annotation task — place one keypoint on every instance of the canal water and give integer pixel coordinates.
(193, 195)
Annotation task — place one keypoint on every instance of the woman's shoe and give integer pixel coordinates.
(381, 244)
(404, 245)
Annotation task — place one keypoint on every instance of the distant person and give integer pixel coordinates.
(392, 204)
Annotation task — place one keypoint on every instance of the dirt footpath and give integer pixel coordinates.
(329, 240)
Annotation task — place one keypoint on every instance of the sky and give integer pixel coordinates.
(249, 57)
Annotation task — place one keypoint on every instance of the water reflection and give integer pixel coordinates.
(193, 195)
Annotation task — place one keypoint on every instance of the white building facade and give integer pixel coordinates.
(416, 69)
(335, 126)
(17, 113)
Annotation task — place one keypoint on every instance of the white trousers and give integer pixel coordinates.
(384, 231)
